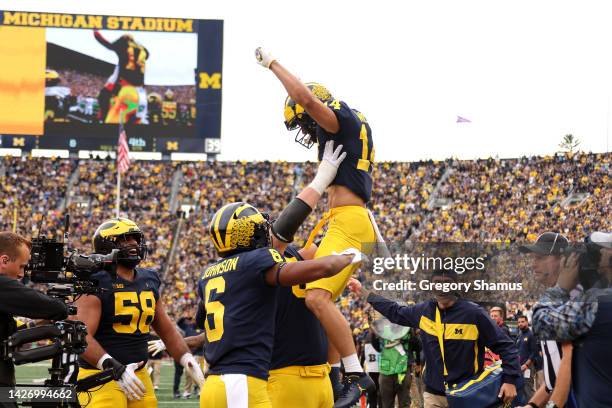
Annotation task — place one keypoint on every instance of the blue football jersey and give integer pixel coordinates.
(128, 309)
(299, 339)
(355, 135)
(239, 309)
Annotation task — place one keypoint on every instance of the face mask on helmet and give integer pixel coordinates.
(124, 235)
(297, 118)
(307, 133)
(132, 250)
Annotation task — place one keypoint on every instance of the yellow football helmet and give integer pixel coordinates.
(169, 95)
(52, 77)
(238, 227)
(109, 235)
(296, 116)
(154, 98)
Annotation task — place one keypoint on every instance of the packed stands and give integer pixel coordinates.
(484, 200)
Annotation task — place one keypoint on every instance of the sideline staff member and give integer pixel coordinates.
(17, 299)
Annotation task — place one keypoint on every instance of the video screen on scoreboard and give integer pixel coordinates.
(82, 76)
(107, 77)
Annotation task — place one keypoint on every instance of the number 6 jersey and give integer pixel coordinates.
(239, 313)
(128, 309)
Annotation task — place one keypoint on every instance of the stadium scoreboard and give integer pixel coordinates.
(71, 81)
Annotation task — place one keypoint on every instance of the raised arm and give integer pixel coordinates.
(300, 207)
(300, 93)
(100, 38)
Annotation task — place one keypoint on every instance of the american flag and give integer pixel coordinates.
(123, 151)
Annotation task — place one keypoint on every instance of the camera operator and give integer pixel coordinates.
(585, 320)
(17, 299)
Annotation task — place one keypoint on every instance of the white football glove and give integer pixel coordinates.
(155, 347)
(326, 173)
(129, 382)
(131, 385)
(192, 368)
(357, 255)
(264, 58)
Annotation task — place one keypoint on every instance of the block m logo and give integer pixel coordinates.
(210, 81)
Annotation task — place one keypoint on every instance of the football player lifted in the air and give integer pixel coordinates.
(118, 323)
(124, 93)
(320, 117)
(298, 369)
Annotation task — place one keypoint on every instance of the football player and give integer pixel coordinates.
(299, 375)
(154, 108)
(119, 319)
(320, 117)
(169, 108)
(238, 293)
(126, 82)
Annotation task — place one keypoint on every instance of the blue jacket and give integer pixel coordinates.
(527, 346)
(463, 330)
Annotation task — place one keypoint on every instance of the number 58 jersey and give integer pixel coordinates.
(128, 309)
(239, 308)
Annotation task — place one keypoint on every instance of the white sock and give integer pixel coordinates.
(337, 365)
(351, 364)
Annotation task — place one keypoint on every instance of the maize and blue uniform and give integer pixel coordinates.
(349, 226)
(355, 135)
(299, 370)
(239, 309)
(453, 340)
(128, 309)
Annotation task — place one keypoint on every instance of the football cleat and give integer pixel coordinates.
(355, 385)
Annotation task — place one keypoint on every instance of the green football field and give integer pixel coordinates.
(36, 373)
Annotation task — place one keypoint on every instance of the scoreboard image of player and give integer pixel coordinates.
(69, 81)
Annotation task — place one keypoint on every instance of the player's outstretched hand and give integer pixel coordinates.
(328, 168)
(131, 385)
(155, 347)
(263, 57)
(192, 368)
(357, 255)
(333, 157)
(354, 286)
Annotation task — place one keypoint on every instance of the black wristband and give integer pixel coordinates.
(532, 404)
(290, 220)
(117, 367)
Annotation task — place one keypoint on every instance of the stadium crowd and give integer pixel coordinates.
(486, 200)
(89, 85)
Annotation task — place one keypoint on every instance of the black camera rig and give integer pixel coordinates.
(69, 274)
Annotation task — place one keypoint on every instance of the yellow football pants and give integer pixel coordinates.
(125, 103)
(234, 390)
(349, 226)
(110, 394)
(301, 386)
